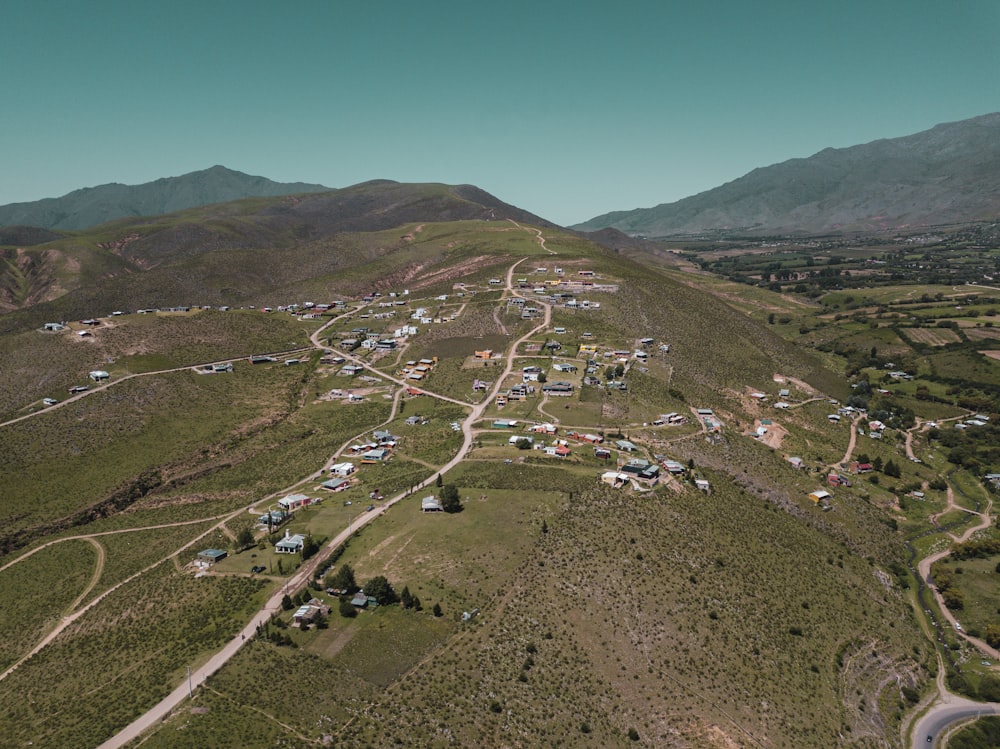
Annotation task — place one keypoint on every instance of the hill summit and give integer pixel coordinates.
(91, 206)
(946, 175)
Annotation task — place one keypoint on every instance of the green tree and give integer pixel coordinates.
(891, 469)
(343, 580)
(346, 609)
(244, 538)
(381, 590)
(437, 610)
(286, 603)
(406, 598)
(309, 548)
(437, 480)
(450, 501)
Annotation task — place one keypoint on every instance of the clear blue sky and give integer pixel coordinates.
(567, 109)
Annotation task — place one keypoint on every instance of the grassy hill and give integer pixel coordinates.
(644, 616)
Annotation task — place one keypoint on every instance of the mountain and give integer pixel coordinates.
(90, 206)
(948, 174)
(233, 253)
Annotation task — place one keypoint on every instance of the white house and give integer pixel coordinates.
(343, 470)
(290, 544)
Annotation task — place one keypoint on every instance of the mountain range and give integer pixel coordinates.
(90, 206)
(230, 253)
(948, 174)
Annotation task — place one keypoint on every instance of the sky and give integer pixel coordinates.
(565, 109)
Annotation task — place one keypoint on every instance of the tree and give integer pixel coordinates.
(346, 609)
(891, 469)
(286, 603)
(381, 590)
(244, 538)
(992, 635)
(309, 548)
(405, 598)
(450, 501)
(437, 610)
(437, 480)
(343, 580)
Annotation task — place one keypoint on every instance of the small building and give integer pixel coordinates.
(602, 453)
(293, 501)
(625, 445)
(672, 466)
(504, 423)
(819, 495)
(343, 470)
(99, 375)
(796, 462)
(336, 485)
(558, 388)
(431, 504)
(225, 367)
(290, 544)
(615, 479)
(377, 455)
(211, 556)
(703, 485)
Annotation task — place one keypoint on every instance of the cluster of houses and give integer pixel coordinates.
(418, 370)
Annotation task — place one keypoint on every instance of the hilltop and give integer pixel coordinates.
(946, 175)
(231, 253)
(90, 206)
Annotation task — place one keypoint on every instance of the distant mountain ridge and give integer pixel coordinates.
(91, 206)
(948, 174)
(239, 252)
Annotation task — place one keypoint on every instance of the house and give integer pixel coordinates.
(360, 600)
(504, 423)
(558, 388)
(273, 518)
(485, 354)
(703, 485)
(784, 393)
(543, 428)
(99, 375)
(382, 437)
(820, 495)
(782, 405)
(306, 613)
(517, 438)
(343, 470)
(293, 501)
(375, 456)
(673, 466)
(336, 485)
(558, 451)
(602, 452)
(625, 445)
(615, 479)
(796, 462)
(594, 439)
(226, 367)
(290, 544)
(431, 504)
(54, 327)
(857, 467)
(211, 556)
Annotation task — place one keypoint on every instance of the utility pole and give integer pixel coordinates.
(190, 690)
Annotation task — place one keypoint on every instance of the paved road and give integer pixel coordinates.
(936, 722)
